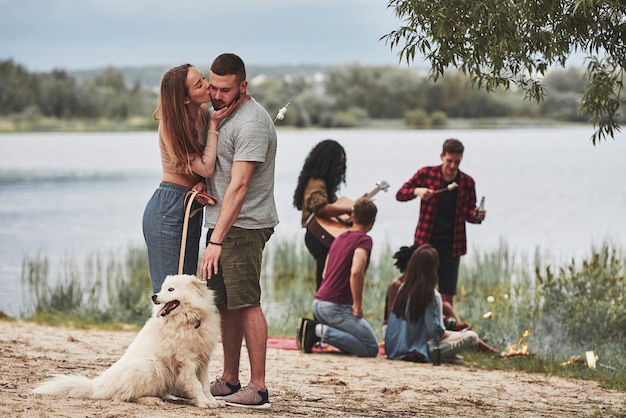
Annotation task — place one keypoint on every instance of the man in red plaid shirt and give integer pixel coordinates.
(448, 200)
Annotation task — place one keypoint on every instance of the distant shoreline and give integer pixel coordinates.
(144, 124)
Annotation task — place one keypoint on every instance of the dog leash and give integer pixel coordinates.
(189, 197)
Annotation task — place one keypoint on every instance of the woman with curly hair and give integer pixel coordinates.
(316, 194)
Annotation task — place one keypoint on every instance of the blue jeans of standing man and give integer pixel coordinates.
(345, 331)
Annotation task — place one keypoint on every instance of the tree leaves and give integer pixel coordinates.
(498, 43)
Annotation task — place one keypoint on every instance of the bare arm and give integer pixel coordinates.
(205, 165)
(334, 209)
(232, 203)
(357, 276)
(392, 292)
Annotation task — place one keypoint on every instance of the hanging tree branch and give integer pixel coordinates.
(499, 43)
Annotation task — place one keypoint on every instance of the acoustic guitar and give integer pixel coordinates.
(325, 230)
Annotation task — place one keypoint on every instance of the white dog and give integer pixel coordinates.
(169, 357)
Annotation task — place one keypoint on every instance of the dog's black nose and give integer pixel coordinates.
(154, 297)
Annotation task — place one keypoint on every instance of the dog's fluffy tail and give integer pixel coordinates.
(72, 386)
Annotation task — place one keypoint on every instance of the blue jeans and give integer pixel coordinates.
(345, 331)
(163, 228)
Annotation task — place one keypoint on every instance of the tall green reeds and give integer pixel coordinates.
(106, 290)
(566, 310)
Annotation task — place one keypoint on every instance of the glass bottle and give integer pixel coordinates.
(436, 353)
(481, 207)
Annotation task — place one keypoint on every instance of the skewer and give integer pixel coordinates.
(451, 186)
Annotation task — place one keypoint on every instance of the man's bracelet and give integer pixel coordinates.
(216, 243)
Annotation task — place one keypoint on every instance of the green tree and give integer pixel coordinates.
(417, 118)
(142, 102)
(565, 81)
(111, 78)
(498, 43)
(57, 95)
(439, 119)
(105, 95)
(565, 88)
(310, 107)
(275, 93)
(384, 92)
(16, 87)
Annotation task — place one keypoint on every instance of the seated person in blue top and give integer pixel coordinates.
(402, 257)
(338, 304)
(415, 326)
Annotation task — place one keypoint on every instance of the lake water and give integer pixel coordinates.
(74, 194)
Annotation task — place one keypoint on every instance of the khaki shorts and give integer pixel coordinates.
(239, 285)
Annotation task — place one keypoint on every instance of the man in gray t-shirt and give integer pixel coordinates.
(238, 228)
(248, 135)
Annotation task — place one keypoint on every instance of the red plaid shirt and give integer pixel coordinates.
(432, 178)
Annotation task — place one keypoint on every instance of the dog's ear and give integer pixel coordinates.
(198, 283)
(192, 277)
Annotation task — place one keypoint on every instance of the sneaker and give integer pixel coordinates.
(220, 387)
(309, 338)
(301, 322)
(249, 397)
(453, 359)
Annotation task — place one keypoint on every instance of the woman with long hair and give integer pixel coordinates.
(415, 327)
(188, 143)
(323, 173)
(402, 257)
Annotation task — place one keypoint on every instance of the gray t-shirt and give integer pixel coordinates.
(248, 134)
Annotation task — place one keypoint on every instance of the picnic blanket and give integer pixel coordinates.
(289, 343)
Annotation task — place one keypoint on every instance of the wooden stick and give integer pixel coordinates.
(451, 186)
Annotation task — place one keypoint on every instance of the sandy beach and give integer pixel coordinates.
(318, 384)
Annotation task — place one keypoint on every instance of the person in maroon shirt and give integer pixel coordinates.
(448, 201)
(338, 304)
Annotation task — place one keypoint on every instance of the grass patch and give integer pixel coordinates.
(567, 310)
(51, 124)
(106, 291)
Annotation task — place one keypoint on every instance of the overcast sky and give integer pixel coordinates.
(83, 34)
